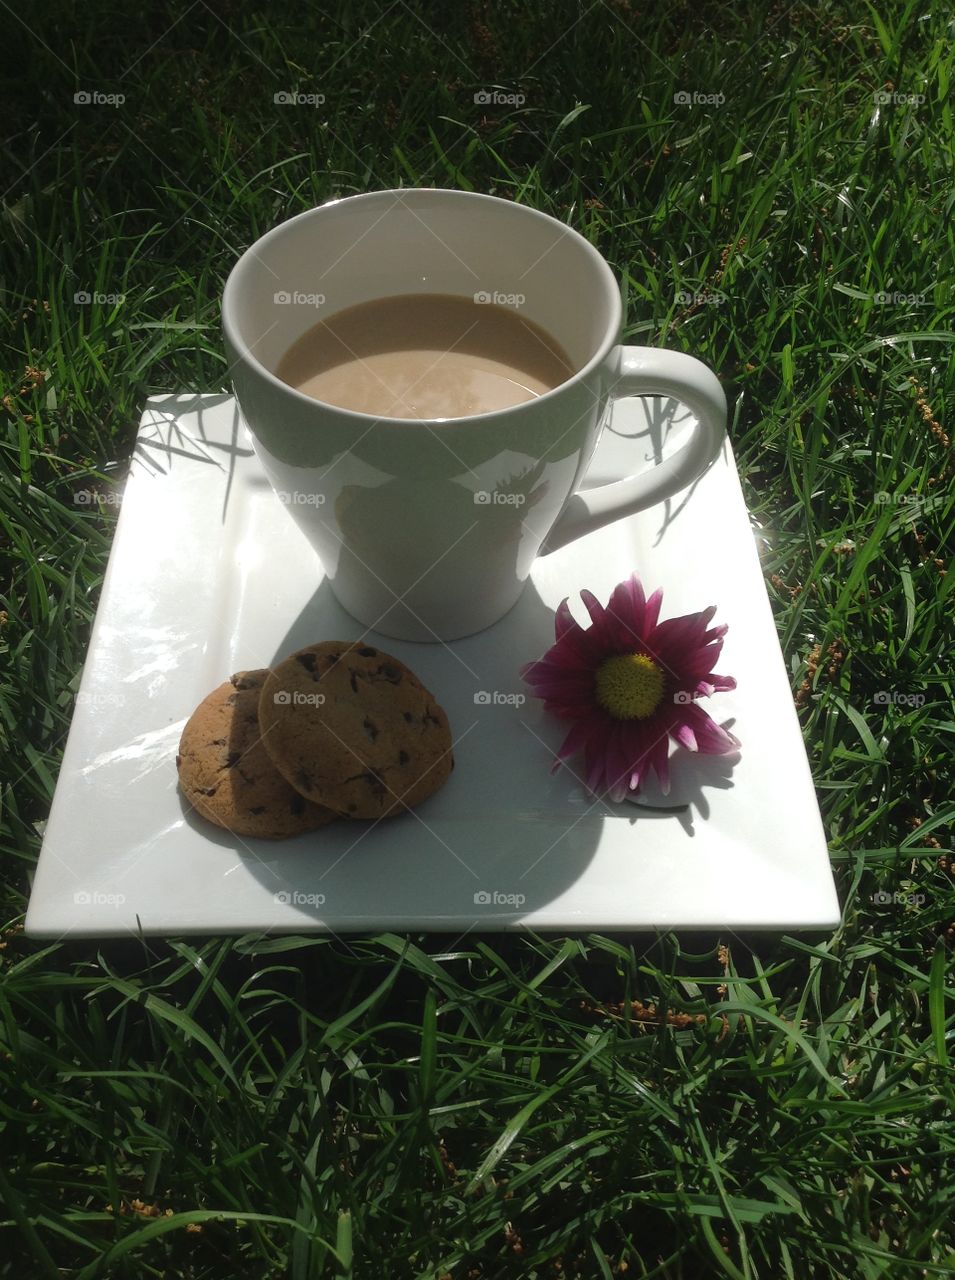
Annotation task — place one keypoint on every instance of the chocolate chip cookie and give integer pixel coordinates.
(353, 729)
(226, 773)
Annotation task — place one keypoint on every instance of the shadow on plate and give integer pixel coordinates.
(163, 438)
(504, 837)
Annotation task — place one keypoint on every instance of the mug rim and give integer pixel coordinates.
(245, 354)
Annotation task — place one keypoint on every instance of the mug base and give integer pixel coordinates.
(400, 622)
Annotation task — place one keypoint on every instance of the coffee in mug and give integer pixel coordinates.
(425, 356)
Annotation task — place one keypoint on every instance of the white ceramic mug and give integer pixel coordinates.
(428, 530)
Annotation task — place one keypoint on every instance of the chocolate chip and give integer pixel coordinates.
(389, 673)
(408, 716)
(296, 806)
(307, 660)
(257, 809)
(403, 757)
(231, 760)
(370, 728)
(368, 653)
(208, 791)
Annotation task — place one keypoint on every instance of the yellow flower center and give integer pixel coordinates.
(629, 686)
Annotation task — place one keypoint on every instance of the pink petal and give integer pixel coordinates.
(642, 738)
(620, 759)
(574, 646)
(677, 634)
(565, 688)
(706, 614)
(672, 647)
(548, 669)
(633, 591)
(627, 604)
(653, 610)
(564, 621)
(722, 682)
(577, 701)
(578, 737)
(711, 739)
(698, 663)
(616, 767)
(556, 668)
(594, 607)
(596, 764)
(568, 654)
(638, 773)
(660, 761)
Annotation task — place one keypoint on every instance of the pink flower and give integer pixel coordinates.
(630, 683)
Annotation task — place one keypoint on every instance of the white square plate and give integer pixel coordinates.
(209, 575)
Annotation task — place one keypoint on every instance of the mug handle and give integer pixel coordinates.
(651, 371)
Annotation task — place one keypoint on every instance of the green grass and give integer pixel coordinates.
(311, 1107)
